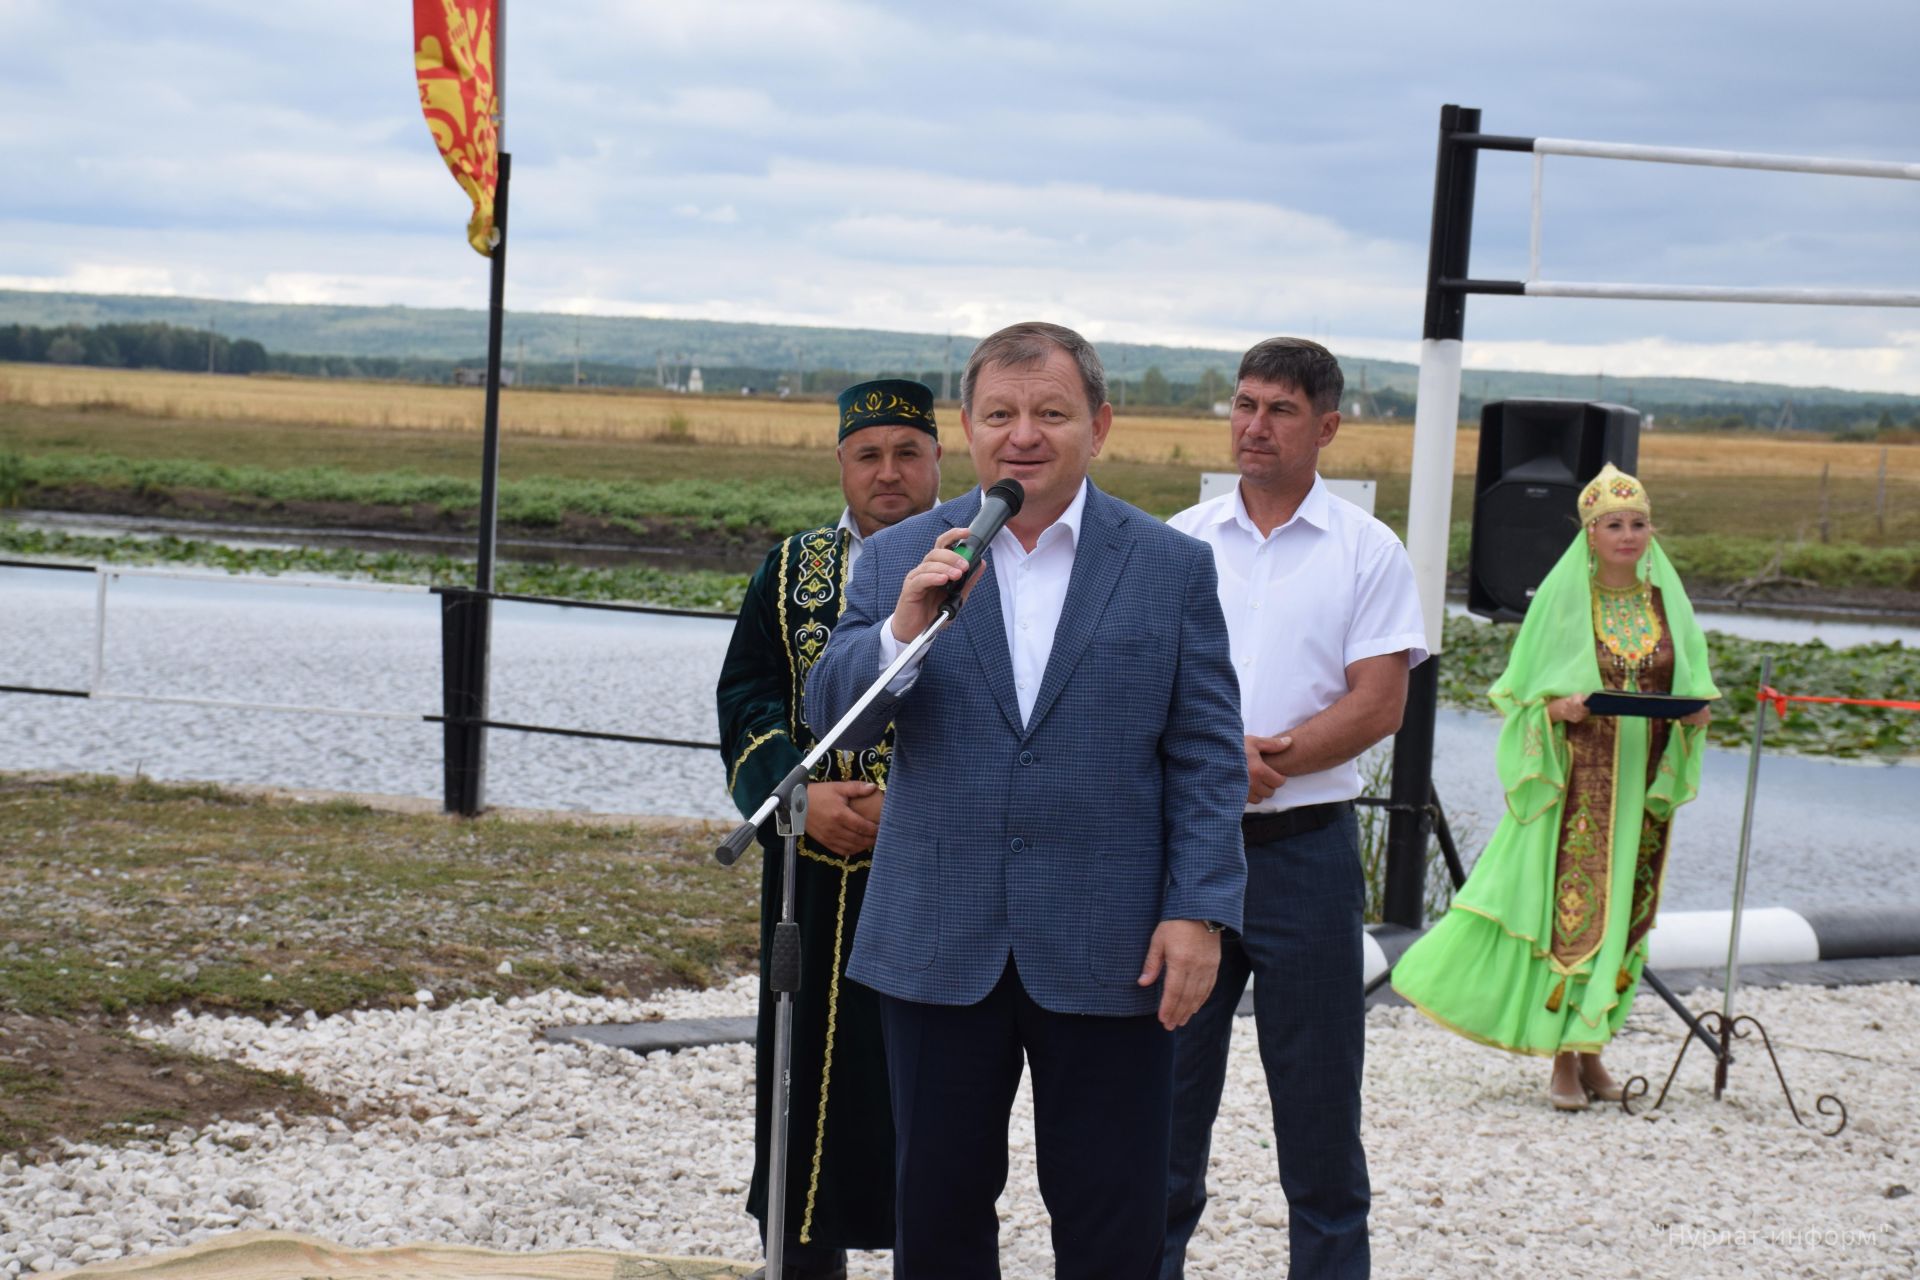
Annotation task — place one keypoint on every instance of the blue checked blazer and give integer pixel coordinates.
(1066, 841)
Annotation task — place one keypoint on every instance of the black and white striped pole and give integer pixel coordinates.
(1429, 511)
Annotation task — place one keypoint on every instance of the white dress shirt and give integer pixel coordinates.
(1328, 588)
(855, 543)
(1033, 591)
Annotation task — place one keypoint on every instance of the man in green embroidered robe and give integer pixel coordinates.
(840, 1141)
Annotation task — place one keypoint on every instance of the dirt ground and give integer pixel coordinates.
(136, 898)
(89, 1081)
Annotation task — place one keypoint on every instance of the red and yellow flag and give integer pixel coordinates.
(453, 61)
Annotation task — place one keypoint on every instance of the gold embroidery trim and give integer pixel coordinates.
(1628, 626)
(826, 1067)
(786, 647)
(1583, 861)
(753, 744)
(834, 860)
(876, 402)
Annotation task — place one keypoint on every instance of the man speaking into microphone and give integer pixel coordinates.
(1060, 847)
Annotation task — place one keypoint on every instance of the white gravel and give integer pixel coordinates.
(465, 1128)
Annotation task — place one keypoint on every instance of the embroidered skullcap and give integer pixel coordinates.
(887, 402)
(1610, 491)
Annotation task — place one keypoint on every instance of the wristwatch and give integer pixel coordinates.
(1214, 926)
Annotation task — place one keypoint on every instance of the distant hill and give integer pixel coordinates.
(733, 354)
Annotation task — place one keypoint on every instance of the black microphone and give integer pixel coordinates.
(999, 505)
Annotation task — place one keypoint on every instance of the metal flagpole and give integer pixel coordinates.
(1725, 1057)
(467, 619)
(496, 309)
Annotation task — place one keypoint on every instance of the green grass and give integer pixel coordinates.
(129, 438)
(734, 504)
(140, 896)
(764, 505)
(13, 478)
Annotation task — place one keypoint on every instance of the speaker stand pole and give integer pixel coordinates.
(1436, 424)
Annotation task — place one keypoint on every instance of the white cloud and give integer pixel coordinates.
(1208, 175)
(1893, 367)
(100, 277)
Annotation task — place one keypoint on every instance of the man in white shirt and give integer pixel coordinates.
(1324, 623)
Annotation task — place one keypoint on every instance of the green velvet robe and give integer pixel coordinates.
(840, 1143)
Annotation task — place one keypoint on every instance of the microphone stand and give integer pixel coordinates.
(787, 805)
(783, 978)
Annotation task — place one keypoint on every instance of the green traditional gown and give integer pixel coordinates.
(1542, 950)
(840, 1140)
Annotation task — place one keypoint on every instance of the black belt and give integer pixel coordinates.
(1265, 828)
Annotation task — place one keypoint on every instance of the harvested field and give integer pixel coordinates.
(741, 453)
(1364, 448)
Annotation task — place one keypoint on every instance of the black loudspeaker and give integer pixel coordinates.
(1535, 457)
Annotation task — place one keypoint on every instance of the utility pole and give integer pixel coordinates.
(209, 344)
(1880, 498)
(946, 376)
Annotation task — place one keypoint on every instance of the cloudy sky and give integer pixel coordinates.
(1185, 173)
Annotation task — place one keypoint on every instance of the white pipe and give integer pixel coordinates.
(175, 575)
(1373, 960)
(1726, 293)
(1436, 424)
(99, 627)
(1700, 939)
(1728, 159)
(226, 704)
(1533, 245)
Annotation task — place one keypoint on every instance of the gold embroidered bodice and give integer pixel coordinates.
(1655, 674)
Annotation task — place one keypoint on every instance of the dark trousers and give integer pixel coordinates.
(1302, 946)
(1102, 1088)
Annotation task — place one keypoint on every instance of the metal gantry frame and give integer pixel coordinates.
(1437, 413)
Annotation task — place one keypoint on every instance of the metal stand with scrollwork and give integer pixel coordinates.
(1722, 1023)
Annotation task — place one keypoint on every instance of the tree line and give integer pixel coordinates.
(133, 346)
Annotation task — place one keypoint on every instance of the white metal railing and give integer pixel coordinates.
(1827, 165)
(105, 574)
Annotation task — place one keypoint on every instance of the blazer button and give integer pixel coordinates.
(1016, 844)
(1026, 757)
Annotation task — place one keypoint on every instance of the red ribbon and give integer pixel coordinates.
(1778, 700)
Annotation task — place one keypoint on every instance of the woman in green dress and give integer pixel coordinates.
(1542, 950)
